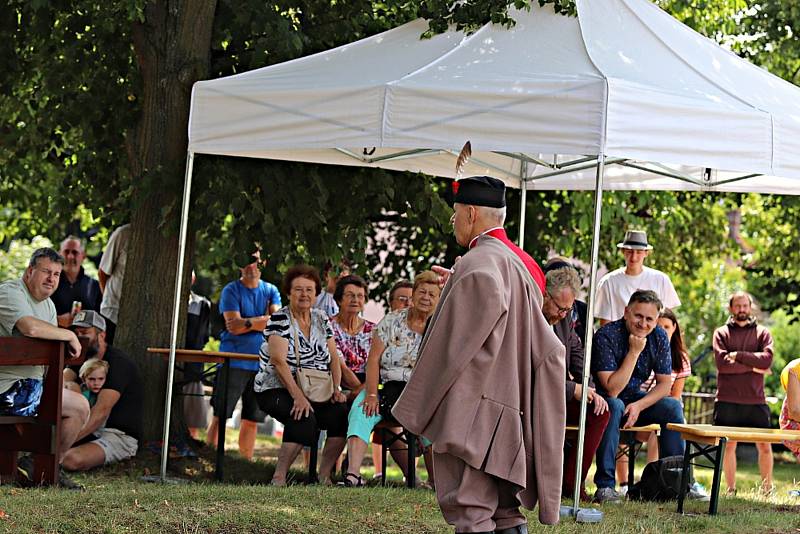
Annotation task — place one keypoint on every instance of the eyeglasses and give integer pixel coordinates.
(562, 310)
(354, 296)
(402, 298)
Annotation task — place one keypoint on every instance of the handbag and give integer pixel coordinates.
(316, 385)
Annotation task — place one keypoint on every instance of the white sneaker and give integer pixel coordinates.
(698, 493)
(623, 490)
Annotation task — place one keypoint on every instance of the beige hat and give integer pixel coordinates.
(635, 240)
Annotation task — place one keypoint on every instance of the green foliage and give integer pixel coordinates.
(381, 222)
(704, 296)
(14, 260)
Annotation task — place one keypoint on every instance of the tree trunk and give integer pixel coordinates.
(172, 47)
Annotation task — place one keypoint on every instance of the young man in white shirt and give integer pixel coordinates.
(616, 287)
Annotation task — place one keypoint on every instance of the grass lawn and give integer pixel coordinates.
(116, 501)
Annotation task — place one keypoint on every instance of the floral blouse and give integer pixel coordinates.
(402, 347)
(354, 348)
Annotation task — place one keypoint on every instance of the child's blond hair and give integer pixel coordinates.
(91, 365)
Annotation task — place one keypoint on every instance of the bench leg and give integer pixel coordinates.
(312, 460)
(712, 505)
(687, 456)
(8, 466)
(222, 383)
(45, 468)
(631, 439)
(384, 454)
(411, 477)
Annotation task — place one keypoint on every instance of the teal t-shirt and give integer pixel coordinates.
(16, 302)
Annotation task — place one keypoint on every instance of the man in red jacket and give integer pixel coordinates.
(743, 354)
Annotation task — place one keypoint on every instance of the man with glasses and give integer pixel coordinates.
(246, 305)
(562, 287)
(76, 291)
(26, 310)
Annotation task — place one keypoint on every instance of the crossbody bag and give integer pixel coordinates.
(316, 385)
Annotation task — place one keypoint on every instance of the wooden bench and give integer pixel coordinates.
(39, 435)
(629, 445)
(709, 442)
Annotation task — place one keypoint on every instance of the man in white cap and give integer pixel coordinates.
(615, 288)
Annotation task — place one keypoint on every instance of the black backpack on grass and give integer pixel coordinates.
(661, 481)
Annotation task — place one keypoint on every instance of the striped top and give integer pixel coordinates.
(314, 352)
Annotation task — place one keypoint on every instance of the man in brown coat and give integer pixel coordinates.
(488, 387)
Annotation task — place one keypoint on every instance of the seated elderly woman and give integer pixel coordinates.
(299, 335)
(352, 333)
(790, 412)
(395, 345)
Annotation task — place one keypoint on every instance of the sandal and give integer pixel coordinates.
(353, 481)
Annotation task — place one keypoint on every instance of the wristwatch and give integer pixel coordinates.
(248, 323)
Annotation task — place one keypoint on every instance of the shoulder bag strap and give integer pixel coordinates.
(296, 341)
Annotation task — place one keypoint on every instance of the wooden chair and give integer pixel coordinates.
(39, 435)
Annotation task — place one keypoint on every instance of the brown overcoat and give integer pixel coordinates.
(488, 386)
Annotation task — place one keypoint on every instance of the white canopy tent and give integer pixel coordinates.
(555, 102)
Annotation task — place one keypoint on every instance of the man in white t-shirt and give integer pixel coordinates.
(111, 275)
(615, 289)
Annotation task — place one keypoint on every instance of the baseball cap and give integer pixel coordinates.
(86, 318)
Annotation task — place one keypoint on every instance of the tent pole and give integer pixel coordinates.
(598, 207)
(523, 202)
(187, 189)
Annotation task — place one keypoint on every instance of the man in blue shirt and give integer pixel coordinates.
(246, 305)
(624, 353)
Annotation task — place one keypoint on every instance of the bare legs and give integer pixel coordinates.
(289, 451)
(247, 438)
(356, 447)
(286, 456)
(211, 432)
(764, 465)
(330, 453)
(74, 414)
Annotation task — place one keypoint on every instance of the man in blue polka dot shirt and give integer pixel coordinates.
(624, 353)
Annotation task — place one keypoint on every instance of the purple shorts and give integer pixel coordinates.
(22, 398)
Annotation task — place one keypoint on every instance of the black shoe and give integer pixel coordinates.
(25, 471)
(519, 529)
(65, 482)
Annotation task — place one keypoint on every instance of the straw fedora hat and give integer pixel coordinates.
(636, 240)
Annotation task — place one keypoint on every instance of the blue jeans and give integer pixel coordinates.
(667, 410)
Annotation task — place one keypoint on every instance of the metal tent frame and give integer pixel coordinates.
(525, 182)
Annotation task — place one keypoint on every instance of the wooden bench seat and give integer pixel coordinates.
(39, 435)
(709, 443)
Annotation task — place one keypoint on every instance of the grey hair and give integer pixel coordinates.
(74, 238)
(48, 253)
(497, 215)
(646, 296)
(563, 278)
